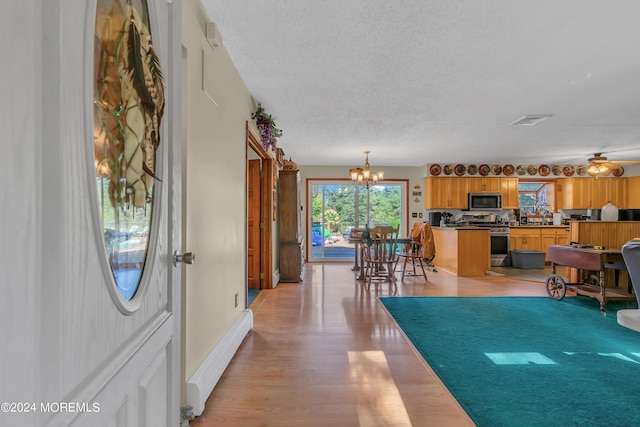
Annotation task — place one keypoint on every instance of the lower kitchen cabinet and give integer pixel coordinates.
(553, 236)
(524, 238)
(537, 238)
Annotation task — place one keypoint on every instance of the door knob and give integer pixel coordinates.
(186, 258)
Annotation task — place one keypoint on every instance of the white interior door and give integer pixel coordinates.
(85, 355)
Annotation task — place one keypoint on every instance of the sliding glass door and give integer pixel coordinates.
(335, 207)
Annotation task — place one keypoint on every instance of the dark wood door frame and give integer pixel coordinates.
(266, 205)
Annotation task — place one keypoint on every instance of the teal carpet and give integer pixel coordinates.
(252, 295)
(528, 361)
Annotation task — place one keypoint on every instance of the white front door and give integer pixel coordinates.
(79, 353)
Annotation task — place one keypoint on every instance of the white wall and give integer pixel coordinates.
(216, 189)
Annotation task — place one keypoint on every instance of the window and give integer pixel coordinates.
(537, 198)
(334, 209)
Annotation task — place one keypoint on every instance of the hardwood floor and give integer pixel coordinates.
(325, 353)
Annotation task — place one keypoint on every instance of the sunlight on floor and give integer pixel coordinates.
(519, 358)
(376, 389)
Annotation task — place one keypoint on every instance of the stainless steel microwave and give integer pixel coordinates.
(485, 201)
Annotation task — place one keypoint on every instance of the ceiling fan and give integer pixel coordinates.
(600, 165)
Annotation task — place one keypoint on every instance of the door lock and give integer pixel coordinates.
(186, 258)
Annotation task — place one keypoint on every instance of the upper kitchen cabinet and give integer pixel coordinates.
(446, 193)
(633, 192)
(509, 190)
(484, 185)
(585, 193)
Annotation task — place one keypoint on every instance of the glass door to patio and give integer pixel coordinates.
(334, 210)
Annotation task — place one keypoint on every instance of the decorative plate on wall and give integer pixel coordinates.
(556, 170)
(484, 170)
(508, 170)
(532, 170)
(447, 169)
(544, 170)
(472, 169)
(521, 169)
(568, 170)
(459, 170)
(581, 170)
(496, 169)
(435, 169)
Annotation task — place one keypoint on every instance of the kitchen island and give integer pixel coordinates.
(463, 251)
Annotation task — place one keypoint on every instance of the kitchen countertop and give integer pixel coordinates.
(539, 226)
(468, 227)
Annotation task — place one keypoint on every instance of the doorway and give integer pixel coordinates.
(260, 196)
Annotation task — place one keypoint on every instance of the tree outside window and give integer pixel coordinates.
(537, 198)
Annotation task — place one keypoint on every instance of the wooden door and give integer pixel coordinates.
(581, 193)
(509, 190)
(458, 190)
(437, 196)
(633, 192)
(73, 337)
(618, 192)
(253, 224)
(599, 192)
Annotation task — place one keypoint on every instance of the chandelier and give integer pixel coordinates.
(364, 176)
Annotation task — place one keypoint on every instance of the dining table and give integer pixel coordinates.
(358, 264)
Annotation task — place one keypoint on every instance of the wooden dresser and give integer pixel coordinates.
(289, 221)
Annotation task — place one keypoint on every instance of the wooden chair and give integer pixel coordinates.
(379, 254)
(413, 255)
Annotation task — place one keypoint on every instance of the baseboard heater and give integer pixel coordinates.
(205, 378)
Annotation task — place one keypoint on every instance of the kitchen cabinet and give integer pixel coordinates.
(463, 251)
(446, 193)
(633, 192)
(618, 192)
(509, 190)
(538, 238)
(451, 193)
(289, 218)
(484, 185)
(585, 193)
(553, 236)
(524, 238)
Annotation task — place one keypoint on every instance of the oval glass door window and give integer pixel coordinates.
(128, 105)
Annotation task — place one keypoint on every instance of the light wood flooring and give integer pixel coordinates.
(326, 353)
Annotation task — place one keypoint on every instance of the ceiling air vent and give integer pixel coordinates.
(530, 119)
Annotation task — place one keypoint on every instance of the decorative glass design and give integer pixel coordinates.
(128, 108)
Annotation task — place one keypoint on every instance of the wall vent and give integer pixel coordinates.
(530, 119)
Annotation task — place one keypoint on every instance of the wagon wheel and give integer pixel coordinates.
(556, 288)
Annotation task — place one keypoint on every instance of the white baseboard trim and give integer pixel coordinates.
(205, 378)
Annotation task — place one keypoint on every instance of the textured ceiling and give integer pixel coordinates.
(439, 81)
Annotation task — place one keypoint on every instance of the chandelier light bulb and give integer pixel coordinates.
(364, 176)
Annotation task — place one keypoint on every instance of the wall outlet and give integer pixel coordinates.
(237, 298)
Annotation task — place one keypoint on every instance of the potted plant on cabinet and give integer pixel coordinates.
(269, 132)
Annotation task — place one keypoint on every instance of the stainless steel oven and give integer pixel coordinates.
(499, 245)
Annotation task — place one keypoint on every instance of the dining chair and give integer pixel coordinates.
(414, 256)
(379, 253)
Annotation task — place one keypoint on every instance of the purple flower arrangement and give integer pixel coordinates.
(269, 133)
